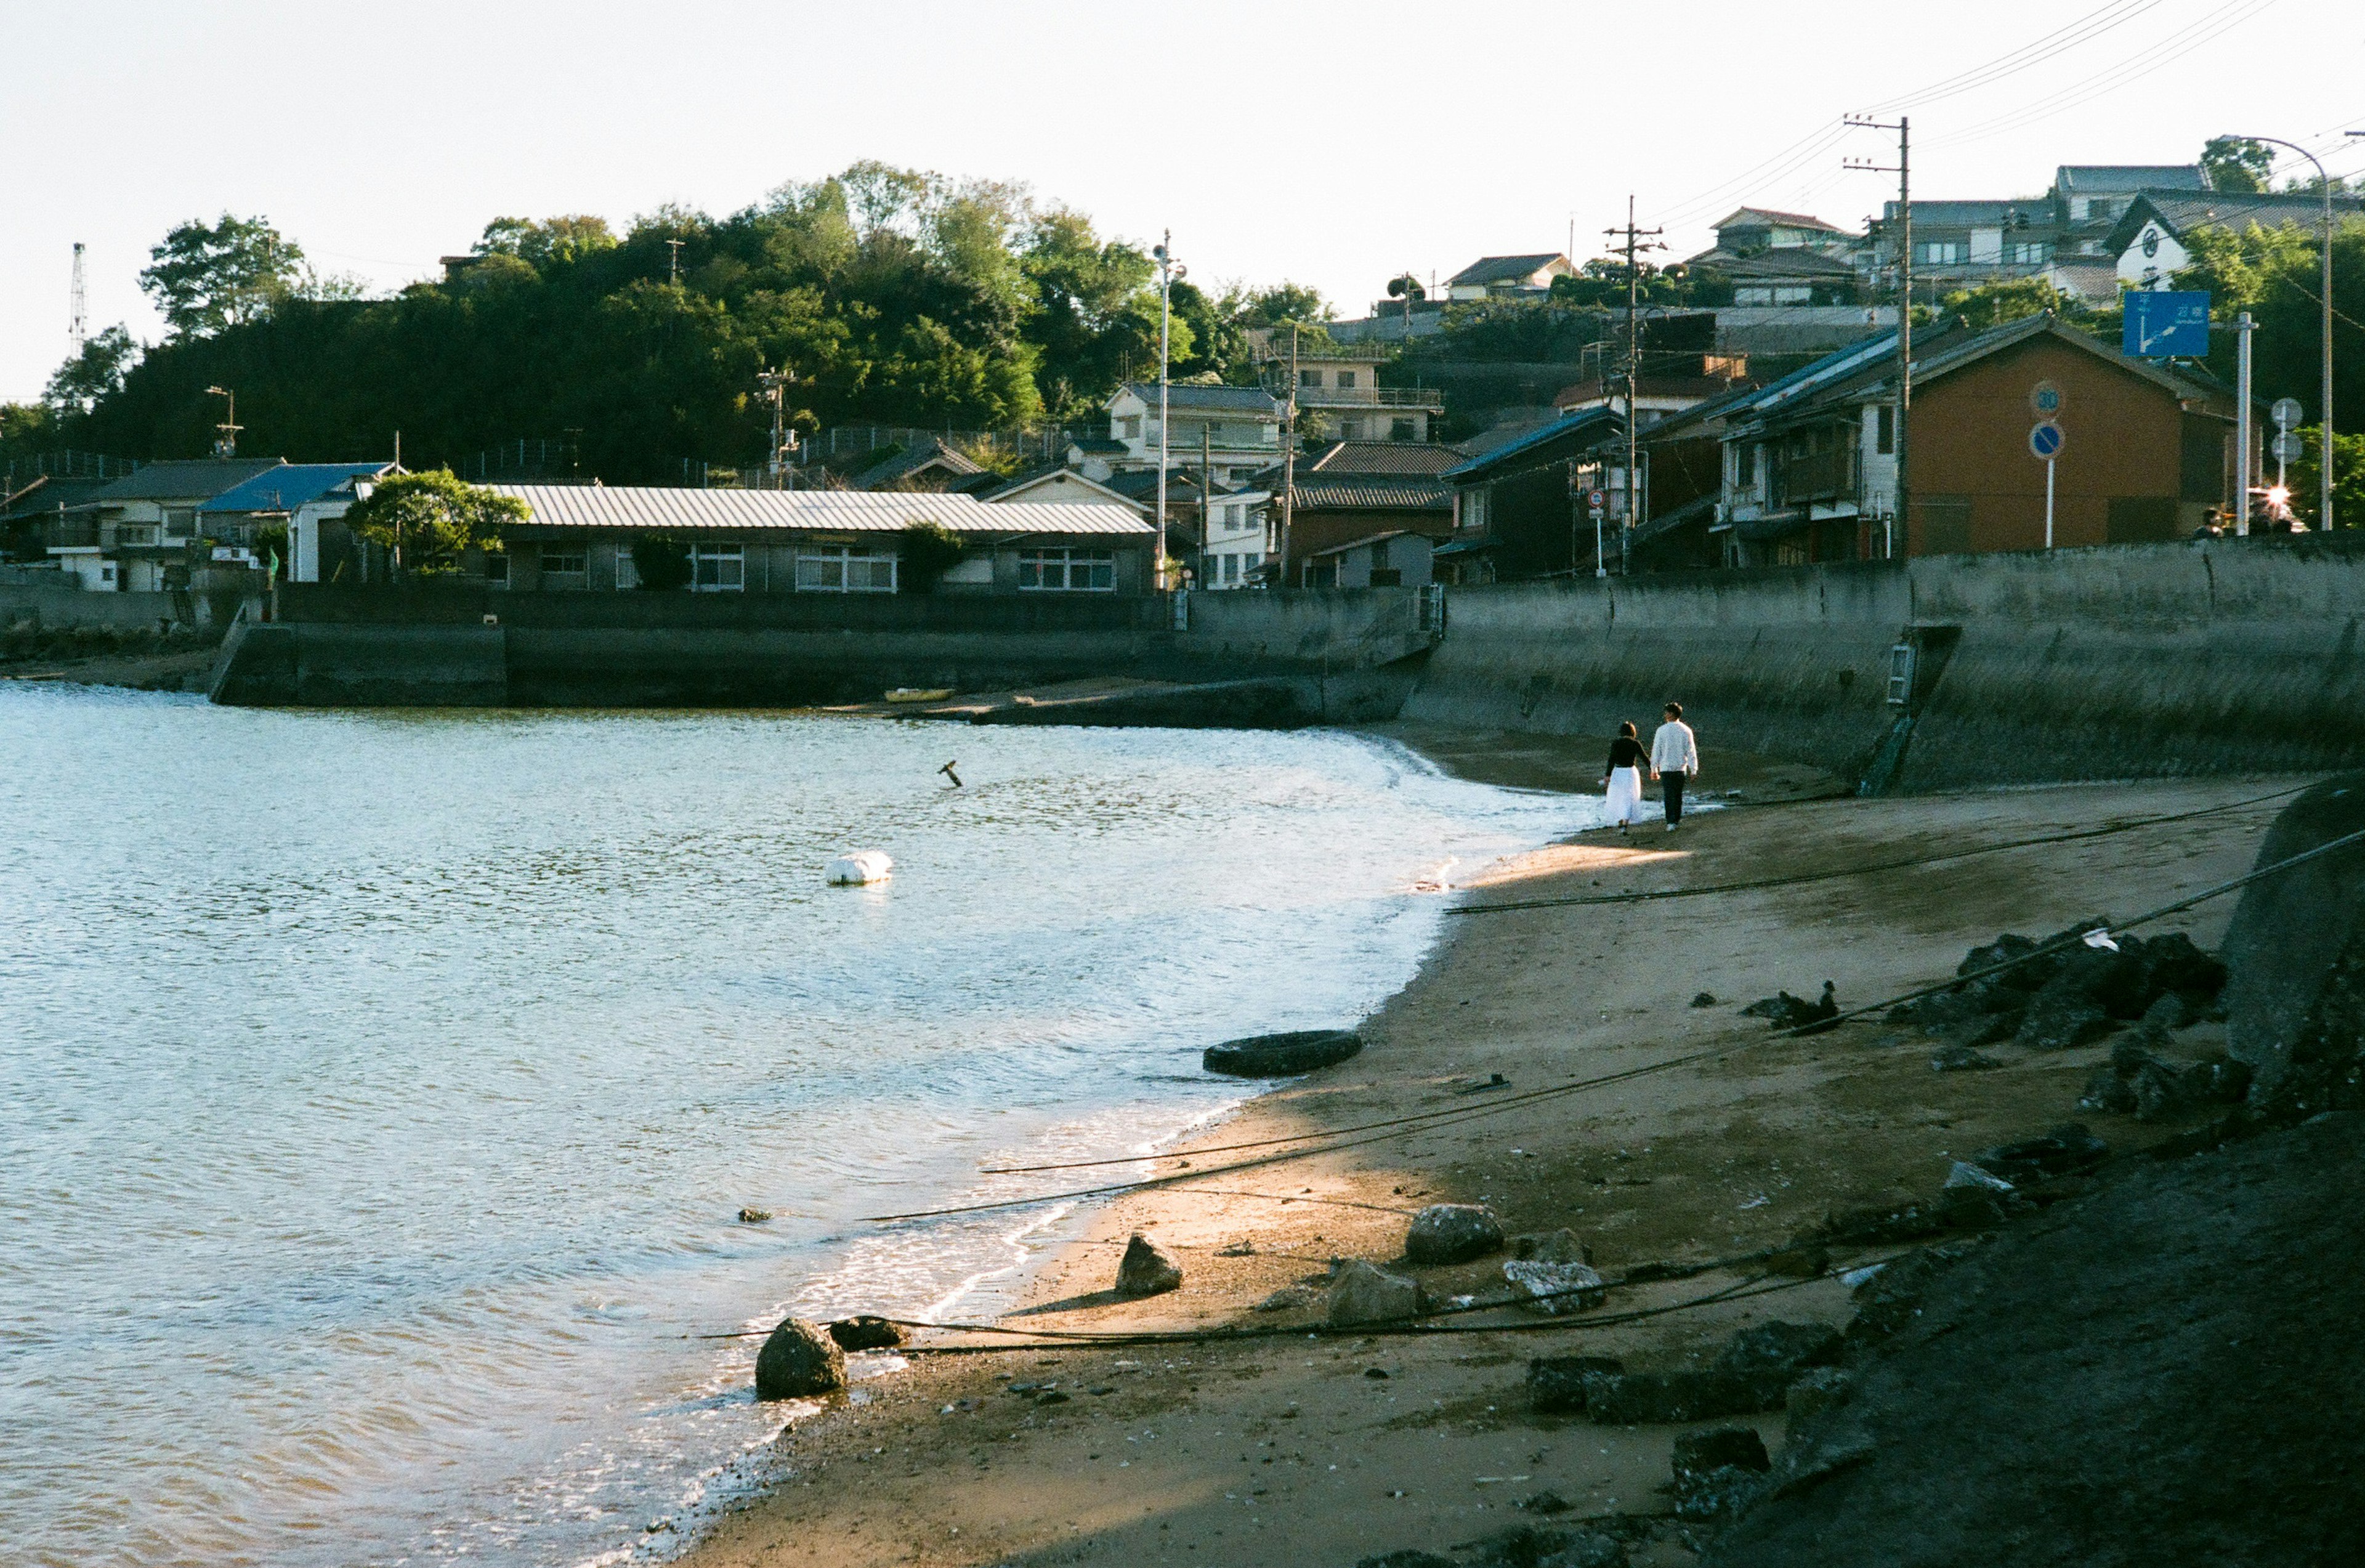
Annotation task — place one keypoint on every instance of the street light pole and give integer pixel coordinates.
(1168, 269)
(2323, 410)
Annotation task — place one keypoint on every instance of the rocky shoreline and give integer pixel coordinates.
(1710, 1211)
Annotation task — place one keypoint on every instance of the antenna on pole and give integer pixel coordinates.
(675, 247)
(78, 314)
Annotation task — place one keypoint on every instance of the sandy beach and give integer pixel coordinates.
(1323, 1450)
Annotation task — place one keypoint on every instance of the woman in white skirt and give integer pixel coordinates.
(1624, 778)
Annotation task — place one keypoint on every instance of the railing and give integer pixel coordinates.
(1367, 397)
(1817, 476)
(72, 532)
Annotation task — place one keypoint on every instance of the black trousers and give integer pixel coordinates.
(1671, 786)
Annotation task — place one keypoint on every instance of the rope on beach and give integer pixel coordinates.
(2124, 825)
(1394, 1127)
(1648, 1273)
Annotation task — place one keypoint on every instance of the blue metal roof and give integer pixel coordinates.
(289, 486)
(1562, 426)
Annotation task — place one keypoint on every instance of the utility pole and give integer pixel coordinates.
(1168, 269)
(226, 441)
(1903, 170)
(77, 314)
(1288, 462)
(675, 247)
(776, 383)
(1207, 485)
(2323, 410)
(2242, 436)
(1634, 238)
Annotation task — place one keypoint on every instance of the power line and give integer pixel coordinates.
(2116, 78)
(2092, 24)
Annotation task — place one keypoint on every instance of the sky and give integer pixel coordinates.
(1335, 145)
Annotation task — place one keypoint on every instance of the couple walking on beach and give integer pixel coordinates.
(1673, 757)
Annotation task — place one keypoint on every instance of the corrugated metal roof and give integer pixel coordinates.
(1505, 269)
(820, 511)
(1192, 395)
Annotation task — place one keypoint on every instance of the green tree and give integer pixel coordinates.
(2348, 479)
(2237, 164)
(2276, 274)
(661, 562)
(426, 520)
(928, 550)
(1994, 304)
(96, 372)
(206, 279)
(548, 243)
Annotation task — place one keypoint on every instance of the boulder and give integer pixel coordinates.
(1562, 1245)
(2296, 940)
(1452, 1232)
(1974, 1198)
(1148, 1269)
(1282, 1055)
(1719, 1447)
(2066, 1150)
(1289, 1298)
(797, 1360)
(2060, 1019)
(1888, 1300)
(1361, 1293)
(1718, 1494)
(1555, 1288)
(2169, 1011)
(2108, 1092)
(1816, 1390)
(1961, 1059)
(865, 1331)
(2173, 967)
(1650, 1399)
(1556, 1383)
(1784, 1010)
(1767, 1358)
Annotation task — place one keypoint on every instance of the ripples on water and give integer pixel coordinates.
(381, 1088)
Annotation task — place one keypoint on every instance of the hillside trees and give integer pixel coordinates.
(897, 297)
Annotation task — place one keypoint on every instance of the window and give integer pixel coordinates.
(1067, 570)
(843, 569)
(1346, 381)
(1938, 253)
(1403, 430)
(1473, 508)
(2029, 253)
(1129, 428)
(129, 534)
(497, 569)
(628, 572)
(1309, 378)
(717, 568)
(565, 563)
(1745, 474)
(1884, 432)
(180, 523)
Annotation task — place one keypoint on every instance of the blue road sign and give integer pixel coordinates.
(2162, 323)
(2045, 440)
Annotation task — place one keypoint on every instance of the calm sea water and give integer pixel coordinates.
(381, 1090)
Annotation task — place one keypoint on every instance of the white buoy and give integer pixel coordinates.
(864, 865)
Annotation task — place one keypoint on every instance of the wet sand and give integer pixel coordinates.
(1294, 1449)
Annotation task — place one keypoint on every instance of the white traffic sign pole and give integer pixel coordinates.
(2048, 503)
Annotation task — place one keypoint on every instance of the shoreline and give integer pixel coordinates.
(1142, 1453)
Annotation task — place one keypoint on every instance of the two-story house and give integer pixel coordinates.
(1783, 258)
(1518, 510)
(1236, 430)
(307, 502)
(138, 533)
(1339, 383)
(1811, 466)
(2151, 242)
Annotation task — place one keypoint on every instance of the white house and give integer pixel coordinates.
(1341, 384)
(137, 534)
(307, 500)
(1490, 277)
(1234, 428)
(2150, 240)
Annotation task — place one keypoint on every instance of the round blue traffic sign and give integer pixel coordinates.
(2046, 440)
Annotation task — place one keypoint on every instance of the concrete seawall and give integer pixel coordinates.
(1292, 658)
(2118, 662)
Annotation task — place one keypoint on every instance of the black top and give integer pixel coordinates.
(1626, 752)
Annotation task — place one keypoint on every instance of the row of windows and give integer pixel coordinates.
(1953, 252)
(722, 568)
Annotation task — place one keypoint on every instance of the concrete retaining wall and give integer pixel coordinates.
(2115, 662)
(49, 608)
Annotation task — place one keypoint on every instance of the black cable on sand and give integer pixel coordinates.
(1429, 1121)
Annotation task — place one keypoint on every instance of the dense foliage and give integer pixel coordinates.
(426, 520)
(894, 296)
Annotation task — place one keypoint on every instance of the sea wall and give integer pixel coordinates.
(2115, 662)
(1285, 658)
(48, 608)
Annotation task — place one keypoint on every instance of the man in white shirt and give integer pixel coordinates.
(1675, 757)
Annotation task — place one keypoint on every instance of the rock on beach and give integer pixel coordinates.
(1452, 1233)
(1147, 1269)
(800, 1359)
(1361, 1293)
